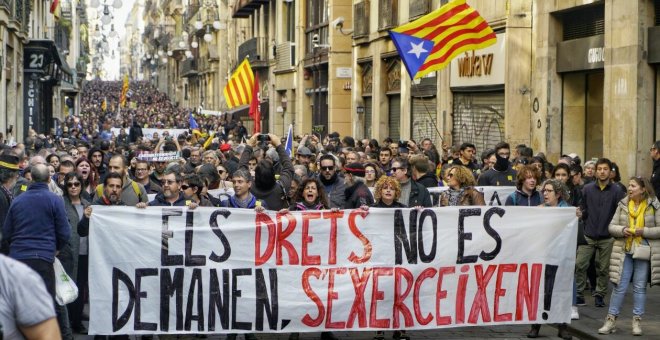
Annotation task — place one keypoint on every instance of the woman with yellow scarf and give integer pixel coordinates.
(635, 227)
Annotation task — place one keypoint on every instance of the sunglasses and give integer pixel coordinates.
(327, 168)
(185, 186)
(220, 172)
(73, 184)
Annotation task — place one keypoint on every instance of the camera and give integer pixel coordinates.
(403, 144)
(168, 138)
(263, 138)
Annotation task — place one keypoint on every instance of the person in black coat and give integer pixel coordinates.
(357, 193)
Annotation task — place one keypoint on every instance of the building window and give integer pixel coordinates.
(290, 15)
(388, 14)
(317, 25)
(361, 19)
(418, 8)
(586, 21)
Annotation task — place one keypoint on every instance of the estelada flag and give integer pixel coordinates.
(430, 43)
(238, 90)
(255, 107)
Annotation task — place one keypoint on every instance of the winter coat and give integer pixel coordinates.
(428, 180)
(357, 195)
(651, 234)
(69, 255)
(471, 196)
(419, 196)
(521, 199)
(276, 196)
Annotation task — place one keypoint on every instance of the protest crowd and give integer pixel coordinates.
(51, 184)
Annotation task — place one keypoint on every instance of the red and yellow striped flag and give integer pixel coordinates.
(432, 41)
(124, 90)
(238, 90)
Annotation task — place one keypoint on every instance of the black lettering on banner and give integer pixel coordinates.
(195, 291)
(171, 287)
(489, 229)
(235, 294)
(462, 235)
(423, 256)
(138, 325)
(495, 197)
(119, 322)
(165, 258)
(408, 241)
(219, 301)
(192, 260)
(213, 222)
(263, 302)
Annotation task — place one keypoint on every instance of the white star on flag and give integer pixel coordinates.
(418, 49)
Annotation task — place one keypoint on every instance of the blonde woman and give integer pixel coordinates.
(636, 223)
(461, 188)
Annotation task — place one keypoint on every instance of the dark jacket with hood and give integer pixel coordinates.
(598, 207)
(521, 199)
(502, 174)
(357, 195)
(275, 197)
(161, 201)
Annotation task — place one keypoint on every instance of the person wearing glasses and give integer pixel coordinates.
(461, 189)
(225, 183)
(132, 192)
(74, 257)
(636, 223)
(192, 188)
(333, 183)
(171, 195)
(413, 194)
(142, 177)
(372, 173)
(555, 195)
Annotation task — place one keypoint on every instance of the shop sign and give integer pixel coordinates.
(581, 54)
(481, 67)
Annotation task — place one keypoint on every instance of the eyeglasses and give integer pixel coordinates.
(328, 168)
(167, 182)
(73, 184)
(394, 168)
(185, 186)
(220, 171)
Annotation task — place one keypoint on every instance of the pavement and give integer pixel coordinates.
(591, 318)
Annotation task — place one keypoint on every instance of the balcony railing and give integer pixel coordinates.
(256, 51)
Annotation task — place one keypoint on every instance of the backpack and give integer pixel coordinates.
(136, 189)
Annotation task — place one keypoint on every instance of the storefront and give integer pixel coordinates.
(44, 70)
(477, 85)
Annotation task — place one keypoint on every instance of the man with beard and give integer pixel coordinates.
(112, 192)
(171, 195)
(333, 183)
(385, 160)
(195, 158)
(142, 177)
(357, 193)
(95, 155)
(159, 170)
(132, 192)
(502, 174)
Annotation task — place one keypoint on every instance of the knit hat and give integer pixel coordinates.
(356, 169)
(9, 162)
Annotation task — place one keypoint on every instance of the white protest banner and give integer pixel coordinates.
(208, 270)
(492, 195)
(149, 132)
(159, 156)
(211, 112)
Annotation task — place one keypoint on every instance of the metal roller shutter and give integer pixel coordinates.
(478, 119)
(423, 118)
(367, 117)
(394, 121)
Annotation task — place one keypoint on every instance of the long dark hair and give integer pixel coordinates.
(71, 175)
(322, 197)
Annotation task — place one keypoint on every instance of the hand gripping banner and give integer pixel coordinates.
(209, 270)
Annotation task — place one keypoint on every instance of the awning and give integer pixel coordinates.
(241, 111)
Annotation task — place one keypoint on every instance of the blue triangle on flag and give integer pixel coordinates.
(413, 51)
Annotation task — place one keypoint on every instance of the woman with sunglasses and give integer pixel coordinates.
(224, 182)
(461, 189)
(192, 187)
(75, 257)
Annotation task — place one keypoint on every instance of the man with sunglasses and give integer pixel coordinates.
(333, 183)
(171, 195)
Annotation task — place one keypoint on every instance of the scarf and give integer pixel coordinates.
(455, 196)
(635, 223)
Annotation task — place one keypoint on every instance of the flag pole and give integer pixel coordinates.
(429, 113)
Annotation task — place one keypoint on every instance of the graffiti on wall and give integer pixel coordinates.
(478, 119)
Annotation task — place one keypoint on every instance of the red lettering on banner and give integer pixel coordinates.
(308, 260)
(526, 294)
(480, 302)
(399, 306)
(332, 295)
(333, 216)
(425, 274)
(352, 226)
(282, 239)
(307, 319)
(358, 308)
(500, 292)
(442, 294)
(377, 295)
(460, 295)
(261, 219)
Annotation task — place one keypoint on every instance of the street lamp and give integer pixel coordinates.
(208, 37)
